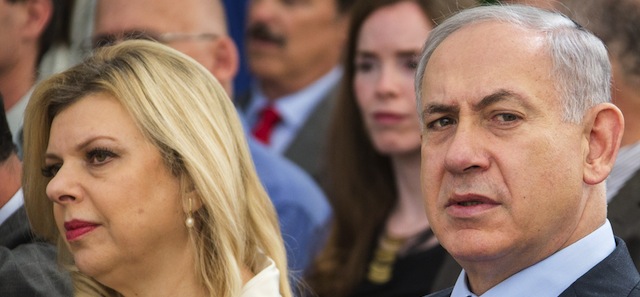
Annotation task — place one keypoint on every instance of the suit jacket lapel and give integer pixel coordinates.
(614, 276)
(15, 230)
(308, 147)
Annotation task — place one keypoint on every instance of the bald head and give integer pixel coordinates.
(180, 18)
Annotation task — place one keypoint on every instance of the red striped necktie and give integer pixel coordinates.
(269, 118)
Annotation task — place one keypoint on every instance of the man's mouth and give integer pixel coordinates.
(469, 203)
(262, 33)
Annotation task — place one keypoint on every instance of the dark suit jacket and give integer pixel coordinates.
(624, 215)
(28, 267)
(615, 276)
(307, 149)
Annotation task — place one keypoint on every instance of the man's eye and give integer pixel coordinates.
(507, 117)
(441, 123)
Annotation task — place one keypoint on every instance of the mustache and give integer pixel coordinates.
(262, 32)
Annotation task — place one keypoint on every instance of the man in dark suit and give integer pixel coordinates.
(27, 267)
(293, 51)
(518, 138)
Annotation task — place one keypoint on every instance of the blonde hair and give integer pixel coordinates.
(182, 109)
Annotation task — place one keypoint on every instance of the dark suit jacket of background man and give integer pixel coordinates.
(615, 276)
(27, 267)
(308, 147)
(624, 214)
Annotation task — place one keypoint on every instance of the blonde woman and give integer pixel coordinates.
(136, 165)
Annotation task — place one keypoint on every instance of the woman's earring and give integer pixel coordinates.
(189, 221)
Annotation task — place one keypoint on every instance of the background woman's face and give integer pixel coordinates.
(387, 52)
(116, 203)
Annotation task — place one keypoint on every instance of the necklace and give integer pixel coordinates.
(386, 253)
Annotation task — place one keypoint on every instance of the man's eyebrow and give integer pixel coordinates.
(498, 96)
(440, 108)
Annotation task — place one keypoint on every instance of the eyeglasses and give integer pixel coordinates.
(103, 40)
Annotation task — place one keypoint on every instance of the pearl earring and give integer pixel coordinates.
(189, 221)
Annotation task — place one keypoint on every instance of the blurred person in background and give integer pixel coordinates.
(293, 50)
(381, 243)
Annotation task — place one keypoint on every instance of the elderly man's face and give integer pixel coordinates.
(502, 174)
(196, 26)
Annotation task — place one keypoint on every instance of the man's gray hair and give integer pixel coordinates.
(581, 66)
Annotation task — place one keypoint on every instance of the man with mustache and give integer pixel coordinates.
(293, 50)
(519, 135)
(198, 29)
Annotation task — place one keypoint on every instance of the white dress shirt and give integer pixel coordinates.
(15, 117)
(265, 284)
(16, 201)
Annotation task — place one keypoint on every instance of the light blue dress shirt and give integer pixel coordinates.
(303, 210)
(551, 276)
(294, 109)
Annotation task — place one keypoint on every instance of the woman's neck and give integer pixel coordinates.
(174, 275)
(408, 216)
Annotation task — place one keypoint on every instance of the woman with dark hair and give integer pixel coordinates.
(380, 243)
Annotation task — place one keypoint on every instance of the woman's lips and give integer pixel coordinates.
(76, 228)
(387, 118)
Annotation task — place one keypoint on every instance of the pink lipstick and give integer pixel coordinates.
(76, 228)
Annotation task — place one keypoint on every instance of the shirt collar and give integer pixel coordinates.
(295, 108)
(553, 275)
(266, 283)
(16, 201)
(15, 116)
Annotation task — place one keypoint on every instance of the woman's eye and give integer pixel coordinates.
(412, 64)
(364, 66)
(51, 170)
(99, 156)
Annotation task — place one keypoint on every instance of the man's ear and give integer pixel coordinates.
(39, 14)
(226, 60)
(604, 126)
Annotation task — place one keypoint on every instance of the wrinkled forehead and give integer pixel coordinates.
(117, 16)
(485, 57)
